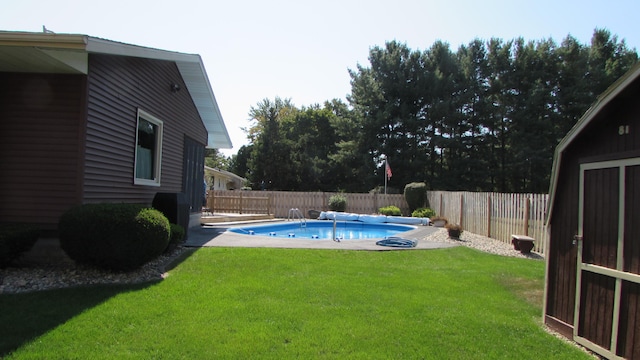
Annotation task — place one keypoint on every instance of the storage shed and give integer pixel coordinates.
(592, 287)
(89, 120)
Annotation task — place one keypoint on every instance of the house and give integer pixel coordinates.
(89, 120)
(592, 285)
(223, 180)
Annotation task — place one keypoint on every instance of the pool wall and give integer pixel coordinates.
(323, 230)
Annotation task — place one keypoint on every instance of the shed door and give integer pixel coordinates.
(607, 310)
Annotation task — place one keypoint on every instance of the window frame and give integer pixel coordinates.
(157, 156)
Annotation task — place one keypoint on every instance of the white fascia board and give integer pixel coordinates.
(55, 41)
(197, 81)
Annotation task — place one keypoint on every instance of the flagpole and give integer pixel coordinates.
(386, 166)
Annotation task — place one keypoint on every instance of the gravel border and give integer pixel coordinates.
(482, 243)
(28, 274)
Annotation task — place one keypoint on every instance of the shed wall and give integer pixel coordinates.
(614, 133)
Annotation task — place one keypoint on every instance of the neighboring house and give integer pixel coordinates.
(592, 287)
(223, 180)
(89, 120)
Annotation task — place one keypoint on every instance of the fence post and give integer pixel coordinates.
(488, 215)
(527, 208)
(461, 208)
(268, 205)
(240, 203)
(324, 201)
(440, 213)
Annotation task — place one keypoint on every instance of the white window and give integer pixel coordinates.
(148, 150)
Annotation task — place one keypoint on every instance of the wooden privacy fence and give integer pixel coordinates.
(495, 215)
(278, 203)
(239, 202)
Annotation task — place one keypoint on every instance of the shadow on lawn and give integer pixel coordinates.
(26, 316)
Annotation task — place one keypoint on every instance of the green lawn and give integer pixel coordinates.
(242, 303)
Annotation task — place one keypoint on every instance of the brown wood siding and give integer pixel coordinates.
(604, 138)
(562, 253)
(596, 308)
(118, 86)
(629, 329)
(632, 223)
(629, 333)
(600, 244)
(41, 116)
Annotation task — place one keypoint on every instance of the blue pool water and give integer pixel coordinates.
(323, 230)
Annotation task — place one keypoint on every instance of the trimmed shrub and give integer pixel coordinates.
(177, 234)
(113, 236)
(423, 213)
(15, 240)
(390, 210)
(337, 203)
(415, 194)
(176, 238)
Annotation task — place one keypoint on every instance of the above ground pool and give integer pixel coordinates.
(323, 230)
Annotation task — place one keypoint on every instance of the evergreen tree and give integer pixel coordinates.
(485, 118)
(270, 162)
(239, 162)
(475, 71)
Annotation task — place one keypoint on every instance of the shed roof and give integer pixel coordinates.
(68, 54)
(603, 100)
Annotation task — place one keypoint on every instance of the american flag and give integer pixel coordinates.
(387, 169)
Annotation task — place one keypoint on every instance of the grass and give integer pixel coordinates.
(231, 303)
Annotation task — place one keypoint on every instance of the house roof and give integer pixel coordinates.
(68, 54)
(603, 100)
(226, 174)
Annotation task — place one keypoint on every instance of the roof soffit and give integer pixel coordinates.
(37, 60)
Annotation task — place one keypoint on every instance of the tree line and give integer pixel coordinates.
(486, 117)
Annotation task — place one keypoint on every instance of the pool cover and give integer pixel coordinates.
(397, 242)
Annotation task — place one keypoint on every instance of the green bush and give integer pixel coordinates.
(177, 234)
(15, 240)
(415, 194)
(390, 210)
(423, 213)
(337, 203)
(113, 236)
(176, 238)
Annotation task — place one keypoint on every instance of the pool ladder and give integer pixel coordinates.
(296, 214)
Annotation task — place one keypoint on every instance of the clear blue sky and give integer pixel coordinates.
(302, 50)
